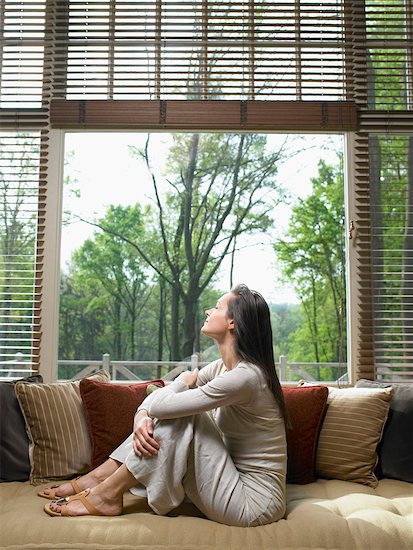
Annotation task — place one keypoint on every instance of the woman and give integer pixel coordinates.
(231, 464)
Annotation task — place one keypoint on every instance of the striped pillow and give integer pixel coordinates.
(57, 428)
(351, 431)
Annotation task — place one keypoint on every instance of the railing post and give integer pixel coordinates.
(106, 362)
(18, 358)
(194, 361)
(283, 368)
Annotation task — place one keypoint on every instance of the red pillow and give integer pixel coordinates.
(306, 407)
(110, 409)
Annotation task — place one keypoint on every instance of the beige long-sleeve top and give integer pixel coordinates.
(245, 412)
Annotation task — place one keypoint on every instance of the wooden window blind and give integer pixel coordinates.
(384, 210)
(20, 254)
(205, 49)
(22, 45)
(295, 50)
(239, 65)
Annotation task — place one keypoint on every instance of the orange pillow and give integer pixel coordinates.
(110, 409)
(306, 408)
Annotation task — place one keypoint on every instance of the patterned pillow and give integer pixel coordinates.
(57, 429)
(351, 431)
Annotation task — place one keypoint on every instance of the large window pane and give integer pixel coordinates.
(138, 273)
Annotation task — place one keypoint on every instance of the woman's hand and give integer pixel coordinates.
(144, 444)
(188, 377)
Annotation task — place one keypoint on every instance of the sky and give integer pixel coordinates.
(102, 170)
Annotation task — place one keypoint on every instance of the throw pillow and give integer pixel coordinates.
(57, 428)
(306, 408)
(351, 431)
(110, 409)
(14, 443)
(396, 447)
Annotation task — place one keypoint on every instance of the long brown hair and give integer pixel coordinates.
(253, 336)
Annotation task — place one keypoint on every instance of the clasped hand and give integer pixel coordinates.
(144, 444)
(189, 377)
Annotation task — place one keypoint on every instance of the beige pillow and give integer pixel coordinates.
(59, 437)
(351, 431)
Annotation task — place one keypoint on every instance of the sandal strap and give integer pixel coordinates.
(75, 485)
(83, 498)
(52, 495)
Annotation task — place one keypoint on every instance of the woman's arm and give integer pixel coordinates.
(177, 400)
(209, 372)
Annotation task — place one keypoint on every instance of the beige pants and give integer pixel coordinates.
(194, 461)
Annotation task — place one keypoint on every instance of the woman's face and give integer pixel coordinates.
(217, 324)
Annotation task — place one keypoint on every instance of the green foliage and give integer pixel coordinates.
(286, 320)
(313, 260)
(107, 279)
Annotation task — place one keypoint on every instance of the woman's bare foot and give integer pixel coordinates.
(88, 481)
(90, 502)
(106, 499)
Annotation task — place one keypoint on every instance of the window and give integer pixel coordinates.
(138, 272)
(170, 65)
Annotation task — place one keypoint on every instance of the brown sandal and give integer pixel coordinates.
(63, 502)
(52, 495)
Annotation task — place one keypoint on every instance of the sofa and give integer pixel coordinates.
(349, 477)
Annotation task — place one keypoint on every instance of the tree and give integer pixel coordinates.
(219, 187)
(113, 267)
(286, 320)
(313, 258)
(85, 328)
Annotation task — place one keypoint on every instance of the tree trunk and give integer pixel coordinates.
(161, 318)
(315, 328)
(175, 356)
(190, 321)
(118, 333)
(231, 271)
(132, 328)
(161, 324)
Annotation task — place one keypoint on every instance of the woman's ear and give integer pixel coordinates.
(231, 324)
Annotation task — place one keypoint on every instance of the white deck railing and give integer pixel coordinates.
(126, 371)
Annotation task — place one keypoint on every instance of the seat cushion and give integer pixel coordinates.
(327, 514)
